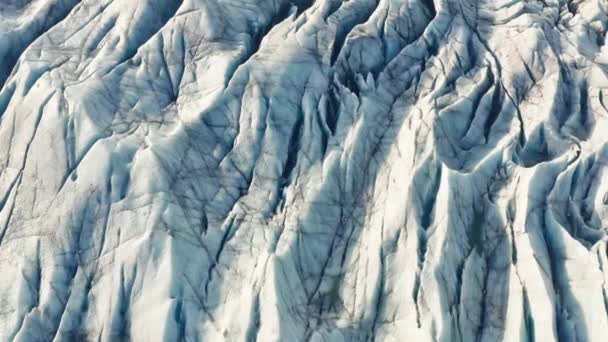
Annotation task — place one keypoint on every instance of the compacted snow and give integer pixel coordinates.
(290, 170)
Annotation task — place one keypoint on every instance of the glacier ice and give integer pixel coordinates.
(286, 170)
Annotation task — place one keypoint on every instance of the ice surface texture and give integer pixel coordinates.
(241, 170)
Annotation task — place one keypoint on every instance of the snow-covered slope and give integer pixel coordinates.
(324, 170)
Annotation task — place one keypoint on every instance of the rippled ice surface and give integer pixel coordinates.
(275, 170)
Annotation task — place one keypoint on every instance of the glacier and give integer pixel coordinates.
(303, 170)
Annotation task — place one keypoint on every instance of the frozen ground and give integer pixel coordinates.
(289, 170)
